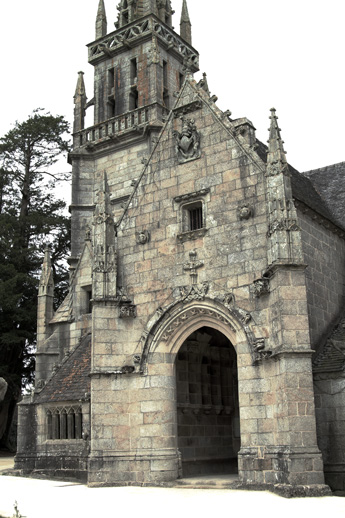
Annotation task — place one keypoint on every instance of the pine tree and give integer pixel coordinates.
(30, 218)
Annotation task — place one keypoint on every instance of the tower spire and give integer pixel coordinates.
(185, 24)
(101, 20)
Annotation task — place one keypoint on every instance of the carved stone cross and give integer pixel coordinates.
(192, 266)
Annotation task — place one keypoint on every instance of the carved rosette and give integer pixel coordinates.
(187, 142)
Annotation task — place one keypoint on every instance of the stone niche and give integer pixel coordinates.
(207, 404)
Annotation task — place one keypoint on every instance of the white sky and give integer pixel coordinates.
(287, 54)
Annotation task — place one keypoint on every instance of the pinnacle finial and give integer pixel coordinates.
(80, 88)
(185, 24)
(101, 20)
(46, 273)
(276, 159)
(79, 104)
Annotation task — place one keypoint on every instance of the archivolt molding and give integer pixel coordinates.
(174, 323)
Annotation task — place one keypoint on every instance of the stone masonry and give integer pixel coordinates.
(196, 300)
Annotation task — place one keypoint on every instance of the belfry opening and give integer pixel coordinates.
(207, 404)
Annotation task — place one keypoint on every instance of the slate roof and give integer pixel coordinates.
(332, 356)
(72, 380)
(330, 183)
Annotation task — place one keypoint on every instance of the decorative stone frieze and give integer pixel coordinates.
(187, 142)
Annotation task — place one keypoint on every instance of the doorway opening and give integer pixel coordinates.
(207, 404)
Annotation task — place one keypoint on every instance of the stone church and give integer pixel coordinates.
(204, 327)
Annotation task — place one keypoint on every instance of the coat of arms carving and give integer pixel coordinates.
(188, 141)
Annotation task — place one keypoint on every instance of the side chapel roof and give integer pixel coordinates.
(72, 380)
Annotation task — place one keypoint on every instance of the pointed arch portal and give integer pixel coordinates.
(205, 341)
(208, 430)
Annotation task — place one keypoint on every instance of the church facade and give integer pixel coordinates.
(202, 332)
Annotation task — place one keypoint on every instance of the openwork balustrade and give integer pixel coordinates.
(111, 127)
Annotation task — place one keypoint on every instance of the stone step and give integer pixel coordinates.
(209, 482)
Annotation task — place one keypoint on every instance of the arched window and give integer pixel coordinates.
(64, 423)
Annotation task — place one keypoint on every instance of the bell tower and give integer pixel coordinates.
(138, 68)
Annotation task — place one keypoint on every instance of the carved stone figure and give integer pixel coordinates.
(188, 141)
(261, 287)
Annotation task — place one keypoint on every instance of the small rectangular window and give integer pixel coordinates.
(134, 71)
(195, 218)
(111, 81)
(165, 74)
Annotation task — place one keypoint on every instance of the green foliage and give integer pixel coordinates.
(30, 218)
